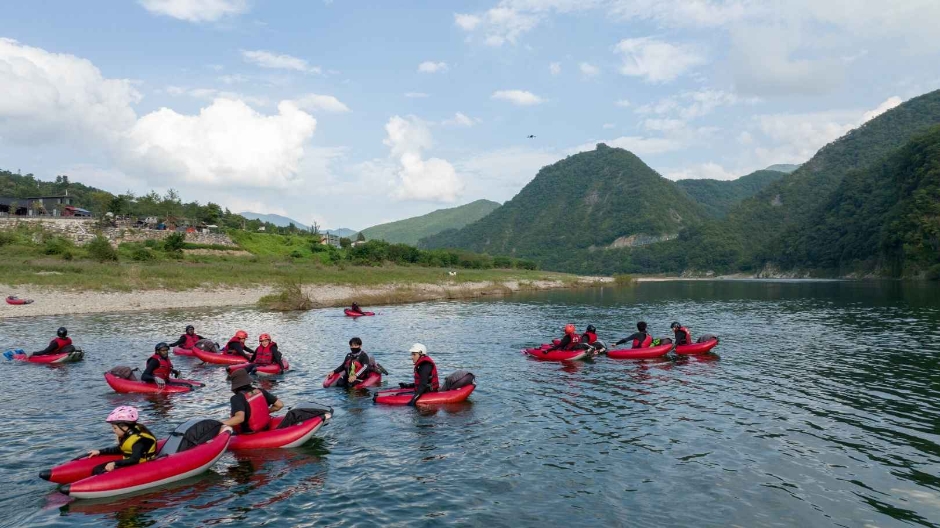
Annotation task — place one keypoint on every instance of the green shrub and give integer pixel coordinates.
(290, 296)
(174, 243)
(527, 264)
(100, 249)
(296, 254)
(67, 255)
(152, 244)
(317, 247)
(7, 237)
(57, 245)
(624, 279)
(502, 262)
(142, 254)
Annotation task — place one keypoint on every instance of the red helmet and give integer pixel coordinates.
(262, 337)
(569, 328)
(241, 334)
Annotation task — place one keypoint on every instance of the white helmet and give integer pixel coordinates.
(419, 348)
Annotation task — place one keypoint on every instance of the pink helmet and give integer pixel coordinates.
(262, 337)
(124, 413)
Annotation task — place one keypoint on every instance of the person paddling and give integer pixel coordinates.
(159, 367)
(639, 339)
(356, 365)
(683, 336)
(134, 441)
(425, 375)
(570, 341)
(187, 340)
(355, 308)
(266, 354)
(236, 345)
(251, 407)
(61, 343)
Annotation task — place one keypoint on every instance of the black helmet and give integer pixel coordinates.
(591, 328)
(62, 331)
(674, 325)
(160, 346)
(190, 327)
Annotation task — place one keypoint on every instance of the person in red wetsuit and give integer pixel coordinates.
(159, 367)
(236, 345)
(570, 341)
(639, 339)
(251, 407)
(425, 378)
(683, 336)
(187, 340)
(266, 354)
(59, 344)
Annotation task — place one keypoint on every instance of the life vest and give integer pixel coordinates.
(264, 355)
(644, 343)
(683, 336)
(133, 436)
(166, 366)
(434, 382)
(61, 342)
(575, 341)
(228, 346)
(589, 337)
(258, 415)
(189, 341)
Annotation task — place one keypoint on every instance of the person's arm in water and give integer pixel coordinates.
(424, 382)
(147, 375)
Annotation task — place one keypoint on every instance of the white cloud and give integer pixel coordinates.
(266, 59)
(466, 22)
(555, 68)
(711, 171)
(622, 103)
(212, 93)
(664, 125)
(326, 103)
(499, 174)
(589, 69)
(889, 103)
(49, 97)
(416, 95)
(655, 60)
(433, 179)
(226, 143)
(691, 105)
(687, 13)
(518, 97)
(196, 10)
(432, 67)
(460, 119)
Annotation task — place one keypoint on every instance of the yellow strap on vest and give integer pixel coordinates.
(127, 446)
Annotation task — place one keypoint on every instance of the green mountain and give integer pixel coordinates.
(884, 218)
(581, 205)
(759, 223)
(783, 167)
(718, 196)
(278, 220)
(342, 232)
(410, 230)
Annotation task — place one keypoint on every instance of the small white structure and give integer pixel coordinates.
(452, 273)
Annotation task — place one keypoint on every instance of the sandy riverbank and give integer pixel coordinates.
(51, 301)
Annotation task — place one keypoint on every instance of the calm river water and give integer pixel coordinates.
(823, 409)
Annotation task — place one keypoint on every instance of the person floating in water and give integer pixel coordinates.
(60, 344)
(159, 367)
(639, 339)
(356, 365)
(187, 340)
(570, 341)
(355, 308)
(251, 408)
(236, 345)
(425, 375)
(134, 441)
(266, 354)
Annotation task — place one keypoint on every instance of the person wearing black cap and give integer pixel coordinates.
(59, 344)
(251, 407)
(187, 340)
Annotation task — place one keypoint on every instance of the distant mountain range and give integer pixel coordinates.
(341, 232)
(278, 220)
(410, 230)
(783, 167)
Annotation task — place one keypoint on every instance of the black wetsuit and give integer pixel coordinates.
(240, 403)
(637, 337)
(141, 447)
(362, 358)
(179, 342)
(424, 382)
(147, 375)
(236, 348)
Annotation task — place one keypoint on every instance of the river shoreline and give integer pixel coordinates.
(57, 301)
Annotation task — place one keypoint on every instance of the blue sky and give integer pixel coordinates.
(352, 113)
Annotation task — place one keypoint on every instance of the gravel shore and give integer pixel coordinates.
(50, 301)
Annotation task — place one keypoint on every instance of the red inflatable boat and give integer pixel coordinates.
(351, 313)
(261, 370)
(640, 353)
(66, 357)
(180, 351)
(79, 468)
(556, 355)
(173, 463)
(373, 379)
(696, 348)
(13, 299)
(124, 386)
(218, 359)
(292, 436)
(403, 396)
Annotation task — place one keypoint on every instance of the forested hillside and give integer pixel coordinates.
(411, 230)
(718, 196)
